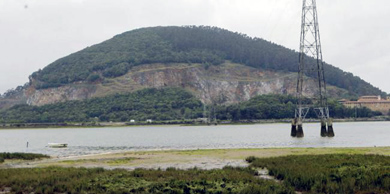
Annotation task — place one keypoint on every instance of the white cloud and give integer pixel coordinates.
(34, 33)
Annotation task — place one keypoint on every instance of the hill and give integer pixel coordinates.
(204, 45)
(215, 65)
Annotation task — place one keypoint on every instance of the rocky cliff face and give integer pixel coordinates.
(60, 94)
(224, 84)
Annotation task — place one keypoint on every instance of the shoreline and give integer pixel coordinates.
(184, 159)
(168, 123)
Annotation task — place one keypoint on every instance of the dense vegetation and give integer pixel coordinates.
(336, 173)
(81, 180)
(20, 156)
(330, 173)
(155, 104)
(163, 105)
(282, 107)
(208, 45)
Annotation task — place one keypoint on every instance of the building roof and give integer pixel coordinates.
(367, 101)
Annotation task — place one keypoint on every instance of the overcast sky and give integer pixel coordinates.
(355, 34)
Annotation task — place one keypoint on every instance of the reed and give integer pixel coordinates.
(330, 173)
(98, 180)
(20, 156)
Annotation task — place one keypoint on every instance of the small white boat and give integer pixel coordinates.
(58, 145)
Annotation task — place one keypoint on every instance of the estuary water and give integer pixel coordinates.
(85, 141)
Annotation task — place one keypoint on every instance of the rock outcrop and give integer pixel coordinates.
(60, 94)
(223, 84)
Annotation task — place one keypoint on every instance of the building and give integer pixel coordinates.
(375, 103)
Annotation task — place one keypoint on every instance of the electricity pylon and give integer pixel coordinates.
(310, 46)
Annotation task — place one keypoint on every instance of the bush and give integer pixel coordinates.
(116, 70)
(93, 78)
(82, 180)
(22, 156)
(331, 173)
(250, 159)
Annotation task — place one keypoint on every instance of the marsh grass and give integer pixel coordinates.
(20, 156)
(334, 173)
(171, 180)
(120, 161)
(331, 173)
(112, 162)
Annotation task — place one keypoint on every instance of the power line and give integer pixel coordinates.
(310, 46)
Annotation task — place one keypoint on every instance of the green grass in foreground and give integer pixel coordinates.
(97, 180)
(330, 173)
(20, 156)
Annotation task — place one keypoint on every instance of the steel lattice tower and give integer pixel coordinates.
(310, 46)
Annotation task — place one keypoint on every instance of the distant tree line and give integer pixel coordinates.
(155, 104)
(191, 44)
(162, 105)
(283, 107)
(12, 92)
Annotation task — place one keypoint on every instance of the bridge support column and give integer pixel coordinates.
(300, 128)
(294, 128)
(324, 132)
(330, 128)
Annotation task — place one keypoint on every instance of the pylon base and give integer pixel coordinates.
(293, 128)
(324, 132)
(300, 131)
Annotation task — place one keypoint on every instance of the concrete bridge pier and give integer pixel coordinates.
(300, 128)
(324, 132)
(330, 128)
(294, 128)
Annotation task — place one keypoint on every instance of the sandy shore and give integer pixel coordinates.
(204, 159)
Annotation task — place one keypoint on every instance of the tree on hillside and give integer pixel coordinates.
(190, 44)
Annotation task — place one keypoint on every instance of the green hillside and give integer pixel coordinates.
(207, 45)
(155, 104)
(162, 105)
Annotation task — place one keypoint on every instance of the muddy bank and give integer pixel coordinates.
(184, 159)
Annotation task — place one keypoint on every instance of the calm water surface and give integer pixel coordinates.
(83, 141)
